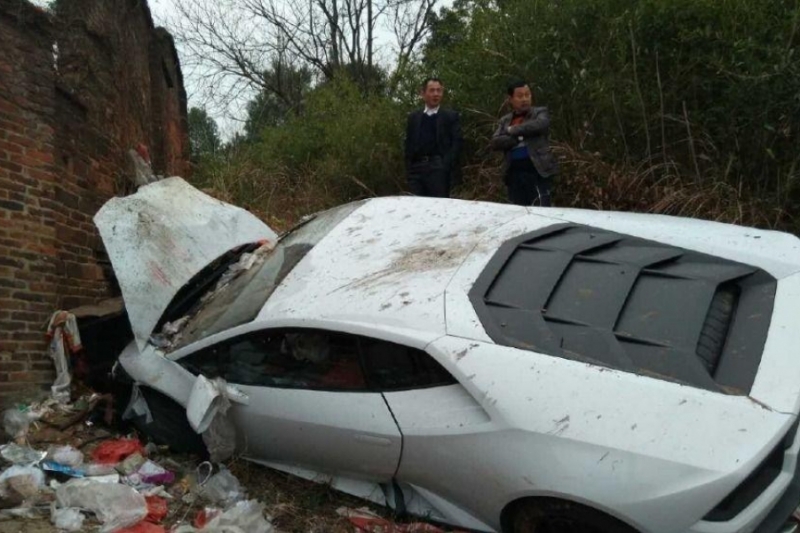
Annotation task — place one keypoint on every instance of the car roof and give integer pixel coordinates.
(389, 263)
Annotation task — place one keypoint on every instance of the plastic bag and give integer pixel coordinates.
(223, 488)
(20, 455)
(156, 509)
(65, 455)
(143, 527)
(114, 451)
(16, 424)
(131, 464)
(52, 466)
(154, 474)
(95, 469)
(67, 519)
(137, 406)
(116, 505)
(244, 517)
(205, 515)
(28, 480)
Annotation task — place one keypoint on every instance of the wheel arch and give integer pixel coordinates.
(512, 507)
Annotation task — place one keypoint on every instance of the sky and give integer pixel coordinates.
(229, 120)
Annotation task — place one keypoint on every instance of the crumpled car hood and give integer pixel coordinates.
(159, 238)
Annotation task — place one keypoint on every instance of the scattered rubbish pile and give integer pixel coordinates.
(83, 478)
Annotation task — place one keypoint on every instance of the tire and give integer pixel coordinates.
(169, 425)
(550, 515)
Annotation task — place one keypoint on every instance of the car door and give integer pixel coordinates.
(446, 432)
(309, 403)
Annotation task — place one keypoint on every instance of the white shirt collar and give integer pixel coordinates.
(430, 111)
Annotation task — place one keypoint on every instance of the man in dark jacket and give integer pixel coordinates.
(433, 144)
(523, 135)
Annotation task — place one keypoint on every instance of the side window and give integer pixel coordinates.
(392, 367)
(298, 359)
(318, 360)
(210, 362)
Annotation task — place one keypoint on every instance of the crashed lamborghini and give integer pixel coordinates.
(494, 367)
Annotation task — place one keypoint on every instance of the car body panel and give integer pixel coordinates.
(351, 434)
(776, 252)
(634, 446)
(389, 262)
(779, 371)
(159, 238)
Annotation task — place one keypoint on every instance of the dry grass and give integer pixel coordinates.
(588, 182)
(295, 505)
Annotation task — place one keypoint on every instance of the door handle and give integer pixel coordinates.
(373, 440)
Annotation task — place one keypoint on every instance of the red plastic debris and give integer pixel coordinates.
(369, 522)
(204, 516)
(114, 451)
(156, 509)
(143, 527)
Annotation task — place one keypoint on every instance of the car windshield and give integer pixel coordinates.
(239, 299)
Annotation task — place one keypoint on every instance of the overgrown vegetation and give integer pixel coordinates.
(687, 107)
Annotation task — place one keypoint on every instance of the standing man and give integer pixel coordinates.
(433, 144)
(523, 135)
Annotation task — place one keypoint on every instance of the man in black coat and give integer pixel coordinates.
(433, 144)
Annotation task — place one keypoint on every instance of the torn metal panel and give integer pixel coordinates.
(159, 238)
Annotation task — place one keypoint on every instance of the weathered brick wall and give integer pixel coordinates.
(77, 89)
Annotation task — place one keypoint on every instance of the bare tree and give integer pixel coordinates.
(229, 45)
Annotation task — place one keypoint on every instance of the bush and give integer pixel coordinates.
(710, 89)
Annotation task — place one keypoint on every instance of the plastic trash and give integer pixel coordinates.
(244, 517)
(137, 406)
(67, 519)
(20, 455)
(156, 509)
(223, 488)
(26, 481)
(114, 451)
(116, 506)
(143, 527)
(205, 515)
(97, 469)
(62, 331)
(65, 455)
(131, 464)
(154, 474)
(52, 466)
(16, 424)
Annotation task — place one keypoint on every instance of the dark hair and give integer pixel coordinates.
(429, 79)
(515, 85)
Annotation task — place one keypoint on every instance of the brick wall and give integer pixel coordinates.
(77, 89)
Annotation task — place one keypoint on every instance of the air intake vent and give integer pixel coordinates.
(716, 326)
(630, 304)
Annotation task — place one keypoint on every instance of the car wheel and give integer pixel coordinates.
(548, 515)
(169, 425)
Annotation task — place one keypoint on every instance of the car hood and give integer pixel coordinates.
(161, 237)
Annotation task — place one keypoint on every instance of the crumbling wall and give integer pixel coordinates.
(78, 88)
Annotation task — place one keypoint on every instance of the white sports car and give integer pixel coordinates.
(495, 367)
